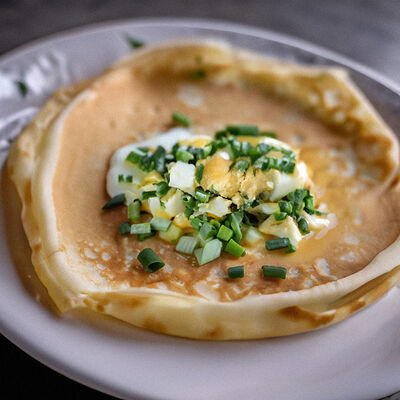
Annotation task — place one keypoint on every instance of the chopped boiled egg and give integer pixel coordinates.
(194, 180)
(286, 228)
(181, 176)
(217, 207)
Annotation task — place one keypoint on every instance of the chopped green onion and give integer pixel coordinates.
(134, 211)
(278, 243)
(199, 172)
(216, 224)
(317, 212)
(235, 220)
(207, 231)
(224, 233)
(196, 222)
(268, 134)
(296, 197)
(135, 156)
(150, 260)
(198, 253)
(146, 195)
(144, 236)
(236, 272)
(206, 151)
(116, 201)
(125, 179)
(270, 271)
(245, 148)
(286, 207)
(309, 205)
(243, 130)
(303, 225)
(187, 244)
(209, 252)
(279, 216)
(134, 43)
(198, 74)
(234, 248)
(181, 119)
(242, 165)
(22, 87)
(183, 155)
(162, 188)
(124, 228)
(291, 248)
(201, 195)
(144, 227)
(158, 158)
(160, 224)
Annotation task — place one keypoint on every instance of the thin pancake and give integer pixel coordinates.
(60, 162)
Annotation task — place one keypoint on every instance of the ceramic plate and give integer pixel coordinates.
(355, 359)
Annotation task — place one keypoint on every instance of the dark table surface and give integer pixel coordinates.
(366, 30)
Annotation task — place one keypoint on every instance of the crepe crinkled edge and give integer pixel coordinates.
(326, 91)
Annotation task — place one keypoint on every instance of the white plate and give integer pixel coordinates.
(356, 359)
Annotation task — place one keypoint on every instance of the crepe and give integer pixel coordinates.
(59, 166)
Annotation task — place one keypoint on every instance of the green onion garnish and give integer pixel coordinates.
(207, 231)
(134, 43)
(124, 228)
(183, 155)
(134, 211)
(22, 87)
(303, 225)
(199, 172)
(216, 224)
(125, 178)
(291, 248)
(144, 227)
(234, 248)
(242, 165)
(286, 207)
(201, 195)
(198, 74)
(144, 236)
(162, 188)
(160, 224)
(268, 134)
(279, 216)
(243, 130)
(296, 197)
(135, 156)
(187, 244)
(150, 260)
(209, 252)
(236, 272)
(116, 201)
(148, 194)
(158, 159)
(196, 222)
(309, 205)
(224, 233)
(270, 271)
(181, 119)
(317, 212)
(278, 243)
(235, 220)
